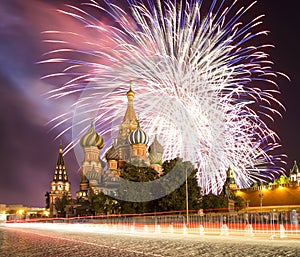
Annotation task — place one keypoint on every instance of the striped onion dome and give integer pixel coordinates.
(91, 138)
(155, 158)
(138, 136)
(112, 154)
(93, 175)
(111, 175)
(155, 152)
(156, 147)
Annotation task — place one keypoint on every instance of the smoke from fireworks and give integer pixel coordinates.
(200, 84)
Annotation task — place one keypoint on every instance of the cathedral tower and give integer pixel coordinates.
(83, 194)
(138, 140)
(60, 184)
(91, 143)
(230, 181)
(128, 125)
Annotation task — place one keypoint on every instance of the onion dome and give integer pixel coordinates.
(91, 138)
(155, 152)
(112, 154)
(138, 136)
(111, 175)
(155, 158)
(130, 93)
(93, 175)
(156, 147)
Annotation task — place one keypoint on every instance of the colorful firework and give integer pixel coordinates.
(202, 84)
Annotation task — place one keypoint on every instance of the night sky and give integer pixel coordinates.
(28, 146)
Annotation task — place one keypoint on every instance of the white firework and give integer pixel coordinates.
(200, 85)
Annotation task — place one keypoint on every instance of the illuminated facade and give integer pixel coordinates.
(60, 184)
(281, 195)
(295, 174)
(230, 181)
(130, 146)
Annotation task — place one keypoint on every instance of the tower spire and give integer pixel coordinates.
(128, 125)
(130, 93)
(130, 120)
(60, 159)
(60, 173)
(60, 184)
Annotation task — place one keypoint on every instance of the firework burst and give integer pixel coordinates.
(200, 83)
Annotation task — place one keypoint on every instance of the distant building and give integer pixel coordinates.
(281, 195)
(19, 211)
(230, 181)
(295, 174)
(60, 184)
(3, 212)
(2, 208)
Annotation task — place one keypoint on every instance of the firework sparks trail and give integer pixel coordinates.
(196, 75)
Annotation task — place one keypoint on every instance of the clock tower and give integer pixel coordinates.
(60, 184)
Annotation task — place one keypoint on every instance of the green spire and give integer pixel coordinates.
(295, 169)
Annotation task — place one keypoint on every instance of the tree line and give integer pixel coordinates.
(175, 201)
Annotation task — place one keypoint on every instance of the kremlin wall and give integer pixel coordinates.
(281, 195)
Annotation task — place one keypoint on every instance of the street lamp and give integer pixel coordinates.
(186, 197)
(247, 204)
(261, 196)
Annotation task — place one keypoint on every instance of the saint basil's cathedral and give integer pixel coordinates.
(96, 175)
(131, 146)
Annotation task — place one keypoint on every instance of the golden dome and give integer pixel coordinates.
(91, 138)
(130, 92)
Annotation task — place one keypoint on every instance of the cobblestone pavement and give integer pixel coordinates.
(17, 242)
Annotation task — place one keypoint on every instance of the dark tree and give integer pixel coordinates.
(215, 203)
(104, 204)
(135, 174)
(219, 203)
(176, 200)
(47, 200)
(239, 202)
(177, 171)
(61, 204)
